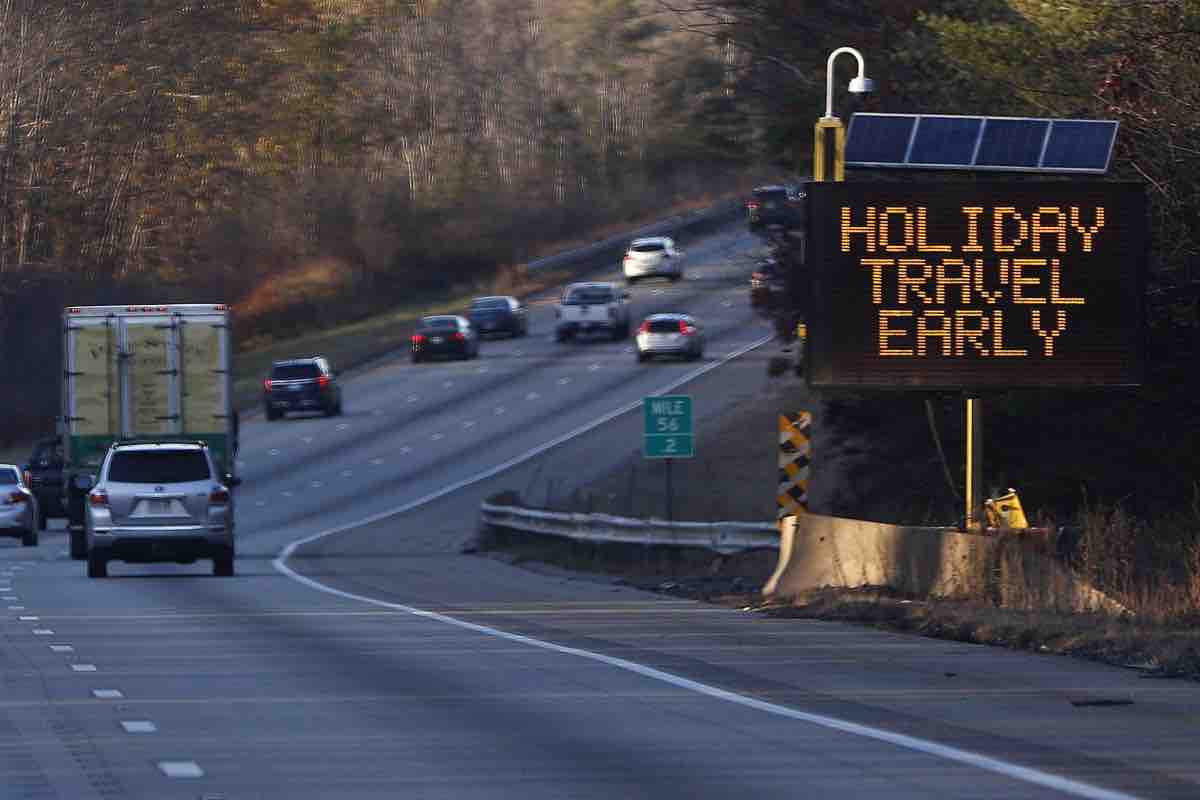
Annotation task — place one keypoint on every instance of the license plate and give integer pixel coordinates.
(435, 340)
(295, 387)
(158, 507)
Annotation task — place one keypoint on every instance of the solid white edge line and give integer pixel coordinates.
(966, 757)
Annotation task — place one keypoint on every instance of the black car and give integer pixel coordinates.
(44, 475)
(781, 206)
(498, 315)
(444, 335)
(302, 384)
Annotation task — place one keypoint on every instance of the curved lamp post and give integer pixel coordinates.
(859, 85)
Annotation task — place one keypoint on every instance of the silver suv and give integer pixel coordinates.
(159, 501)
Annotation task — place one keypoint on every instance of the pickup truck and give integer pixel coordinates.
(588, 307)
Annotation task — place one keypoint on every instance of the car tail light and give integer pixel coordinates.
(18, 497)
(267, 384)
(753, 205)
(219, 496)
(458, 337)
(685, 329)
(418, 339)
(323, 382)
(644, 327)
(98, 498)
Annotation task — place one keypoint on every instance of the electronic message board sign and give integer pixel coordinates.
(974, 285)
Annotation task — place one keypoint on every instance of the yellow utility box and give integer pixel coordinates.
(1005, 511)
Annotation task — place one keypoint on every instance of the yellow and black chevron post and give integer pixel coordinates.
(794, 459)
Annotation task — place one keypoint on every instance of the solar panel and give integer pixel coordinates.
(1012, 144)
(1078, 144)
(945, 141)
(878, 138)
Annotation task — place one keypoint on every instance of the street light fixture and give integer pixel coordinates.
(859, 85)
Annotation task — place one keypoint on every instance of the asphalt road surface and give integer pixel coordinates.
(375, 660)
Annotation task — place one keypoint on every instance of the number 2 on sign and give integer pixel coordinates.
(671, 445)
(668, 424)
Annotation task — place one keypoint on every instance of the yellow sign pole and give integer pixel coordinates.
(973, 521)
(839, 149)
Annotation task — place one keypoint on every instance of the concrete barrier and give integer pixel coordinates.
(1012, 571)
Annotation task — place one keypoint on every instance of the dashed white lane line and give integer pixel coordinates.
(483, 370)
(376, 462)
(181, 769)
(563, 381)
(9, 597)
(260, 503)
(341, 426)
(316, 484)
(61, 648)
(412, 398)
(499, 410)
(83, 667)
(628, 348)
(468, 424)
(29, 619)
(347, 473)
(438, 437)
(107, 694)
(306, 439)
(42, 632)
(447, 384)
(16, 608)
(532, 396)
(287, 493)
(593, 367)
(405, 450)
(138, 726)
(274, 451)
(727, 303)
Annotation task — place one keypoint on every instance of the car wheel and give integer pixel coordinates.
(223, 565)
(560, 335)
(97, 565)
(630, 280)
(78, 544)
(29, 539)
(676, 278)
(642, 357)
(272, 414)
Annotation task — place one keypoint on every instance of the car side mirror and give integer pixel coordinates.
(25, 468)
(231, 480)
(84, 483)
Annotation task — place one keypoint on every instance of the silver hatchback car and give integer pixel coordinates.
(670, 335)
(159, 501)
(18, 507)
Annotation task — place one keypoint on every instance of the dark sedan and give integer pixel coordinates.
(498, 315)
(301, 384)
(444, 336)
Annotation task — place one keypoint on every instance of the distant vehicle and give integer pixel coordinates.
(499, 315)
(652, 257)
(670, 335)
(44, 477)
(768, 285)
(18, 507)
(445, 335)
(302, 384)
(142, 372)
(589, 307)
(159, 501)
(781, 205)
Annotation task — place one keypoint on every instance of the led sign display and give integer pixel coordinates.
(974, 285)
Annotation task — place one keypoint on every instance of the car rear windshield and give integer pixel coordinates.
(776, 195)
(490, 305)
(578, 297)
(166, 466)
(294, 372)
(649, 247)
(9, 477)
(440, 322)
(664, 326)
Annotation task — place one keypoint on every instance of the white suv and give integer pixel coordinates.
(159, 501)
(651, 257)
(588, 307)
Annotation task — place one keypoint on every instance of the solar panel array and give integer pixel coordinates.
(1011, 144)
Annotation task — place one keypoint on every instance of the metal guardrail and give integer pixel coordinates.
(665, 226)
(720, 537)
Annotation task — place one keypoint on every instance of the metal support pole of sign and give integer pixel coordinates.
(670, 494)
(974, 463)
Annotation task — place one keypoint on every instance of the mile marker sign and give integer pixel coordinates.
(668, 427)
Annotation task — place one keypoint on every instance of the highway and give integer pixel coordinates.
(358, 653)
